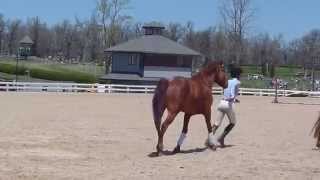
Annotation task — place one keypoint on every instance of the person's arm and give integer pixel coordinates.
(237, 90)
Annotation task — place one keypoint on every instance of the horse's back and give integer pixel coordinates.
(177, 91)
(187, 95)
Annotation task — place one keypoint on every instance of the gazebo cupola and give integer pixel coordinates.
(153, 29)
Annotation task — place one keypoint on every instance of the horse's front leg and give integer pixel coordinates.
(210, 142)
(164, 127)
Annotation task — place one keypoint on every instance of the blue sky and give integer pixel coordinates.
(291, 18)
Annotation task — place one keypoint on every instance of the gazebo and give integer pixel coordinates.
(25, 47)
(146, 59)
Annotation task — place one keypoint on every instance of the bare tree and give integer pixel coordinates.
(203, 39)
(63, 40)
(294, 53)
(219, 45)
(79, 39)
(34, 29)
(174, 31)
(137, 29)
(189, 38)
(2, 31)
(267, 52)
(13, 29)
(237, 16)
(94, 46)
(111, 17)
(45, 42)
(311, 45)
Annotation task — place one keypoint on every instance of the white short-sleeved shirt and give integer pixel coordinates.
(232, 90)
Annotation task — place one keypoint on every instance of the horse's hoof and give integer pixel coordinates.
(206, 143)
(176, 150)
(213, 147)
(221, 141)
(159, 148)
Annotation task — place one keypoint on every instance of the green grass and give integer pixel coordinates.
(54, 72)
(85, 68)
(251, 70)
(65, 75)
(253, 83)
(282, 71)
(11, 69)
(286, 73)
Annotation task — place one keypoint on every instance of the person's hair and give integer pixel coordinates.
(235, 72)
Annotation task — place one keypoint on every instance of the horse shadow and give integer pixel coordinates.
(188, 151)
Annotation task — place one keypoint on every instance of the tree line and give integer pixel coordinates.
(230, 41)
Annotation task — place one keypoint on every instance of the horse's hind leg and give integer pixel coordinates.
(163, 129)
(183, 133)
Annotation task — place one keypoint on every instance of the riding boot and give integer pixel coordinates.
(225, 133)
(176, 150)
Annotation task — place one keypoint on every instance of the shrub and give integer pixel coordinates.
(11, 69)
(66, 75)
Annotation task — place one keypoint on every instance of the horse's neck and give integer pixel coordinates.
(203, 79)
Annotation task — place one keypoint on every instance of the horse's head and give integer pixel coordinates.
(215, 73)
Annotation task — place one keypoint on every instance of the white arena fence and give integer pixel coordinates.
(116, 88)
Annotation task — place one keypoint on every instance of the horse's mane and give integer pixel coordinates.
(209, 67)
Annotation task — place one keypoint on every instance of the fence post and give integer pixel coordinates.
(109, 88)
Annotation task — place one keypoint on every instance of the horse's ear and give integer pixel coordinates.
(222, 66)
(219, 62)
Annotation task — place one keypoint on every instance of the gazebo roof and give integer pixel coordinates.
(153, 44)
(26, 40)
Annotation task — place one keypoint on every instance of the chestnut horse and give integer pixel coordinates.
(189, 95)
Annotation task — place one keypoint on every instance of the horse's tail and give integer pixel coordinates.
(158, 102)
(316, 128)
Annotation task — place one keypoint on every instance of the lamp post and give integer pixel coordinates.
(17, 58)
(24, 50)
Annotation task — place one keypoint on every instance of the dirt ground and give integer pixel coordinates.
(110, 136)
